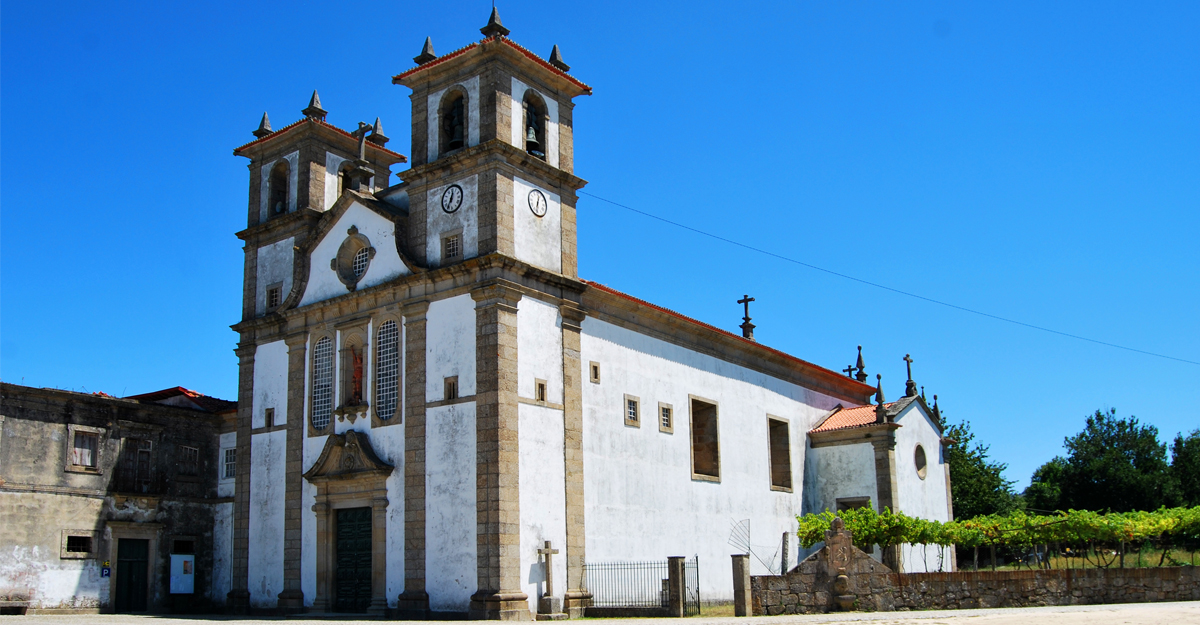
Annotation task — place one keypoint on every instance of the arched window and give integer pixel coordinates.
(387, 370)
(345, 175)
(322, 383)
(278, 190)
(454, 123)
(353, 370)
(535, 125)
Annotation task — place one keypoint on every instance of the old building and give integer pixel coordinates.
(429, 392)
(100, 497)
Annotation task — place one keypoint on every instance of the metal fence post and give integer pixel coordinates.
(675, 585)
(741, 584)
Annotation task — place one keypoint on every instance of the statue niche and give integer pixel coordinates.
(354, 404)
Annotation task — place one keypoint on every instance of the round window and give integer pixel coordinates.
(919, 459)
(361, 258)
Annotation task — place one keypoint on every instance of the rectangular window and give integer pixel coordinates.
(83, 452)
(594, 372)
(852, 503)
(451, 388)
(781, 454)
(189, 460)
(230, 462)
(666, 418)
(274, 296)
(706, 454)
(79, 544)
(183, 545)
(632, 411)
(452, 247)
(136, 468)
(269, 417)
(539, 390)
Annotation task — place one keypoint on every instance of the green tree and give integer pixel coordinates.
(1115, 464)
(1185, 467)
(1044, 493)
(977, 485)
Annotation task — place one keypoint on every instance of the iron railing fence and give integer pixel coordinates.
(691, 587)
(644, 585)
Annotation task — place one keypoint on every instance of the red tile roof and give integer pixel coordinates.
(533, 57)
(845, 418)
(804, 363)
(375, 146)
(202, 402)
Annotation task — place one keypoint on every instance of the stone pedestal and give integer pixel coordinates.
(291, 601)
(741, 584)
(412, 605)
(500, 606)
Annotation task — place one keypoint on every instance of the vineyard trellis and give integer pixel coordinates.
(1106, 535)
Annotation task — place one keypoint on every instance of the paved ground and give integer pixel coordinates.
(1176, 613)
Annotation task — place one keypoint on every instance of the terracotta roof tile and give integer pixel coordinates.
(845, 418)
(516, 46)
(375, 146)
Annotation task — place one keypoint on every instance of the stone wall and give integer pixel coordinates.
(813, 586)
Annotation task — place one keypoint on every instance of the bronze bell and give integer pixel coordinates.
(531, 142)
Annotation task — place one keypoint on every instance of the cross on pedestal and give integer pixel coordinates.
(548, 552)
(747, 327)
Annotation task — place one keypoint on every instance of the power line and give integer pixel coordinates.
(885, 287)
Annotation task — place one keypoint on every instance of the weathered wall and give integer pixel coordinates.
(518, 120)
(537, 240)
(270, 383)
(222, 547)
(30, 566)
(274, 265)
(266, 517)
(323, 282)
(919, 497)
(450, 512)
(642, 503)
(450, 346)
(465, 220)
(471, 87)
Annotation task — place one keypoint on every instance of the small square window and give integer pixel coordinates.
(230, 462)
(274, 296)
(594, 372)
(79, 544)
(539, 390)
(451, 388)
(183, 545)
(666, 418)
(452, 247)
(269, 417)
(189, 460)
(632, 411)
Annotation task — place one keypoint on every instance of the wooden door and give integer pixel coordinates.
(352, 568)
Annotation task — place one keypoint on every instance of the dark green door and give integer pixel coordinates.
(133, 557)
(352, 575)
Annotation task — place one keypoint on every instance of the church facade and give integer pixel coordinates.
(430, 397)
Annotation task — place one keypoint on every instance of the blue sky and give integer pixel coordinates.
(1037, 161)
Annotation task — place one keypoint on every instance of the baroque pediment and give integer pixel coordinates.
(347, 456)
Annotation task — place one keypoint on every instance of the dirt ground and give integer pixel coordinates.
(1175, 613)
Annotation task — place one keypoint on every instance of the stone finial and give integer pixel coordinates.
(862, 371)
(557, 60)
(314, 109)
(910, 387)
(264, 127)
(494, 27)
(880, 411)
(377, 137)
(427, 54)
(937, 412)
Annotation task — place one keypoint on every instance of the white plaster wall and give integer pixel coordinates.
(270, 383)
(267, 471)
(323, 282)
(537, 240)
(465, 219)
(518, 120)
(265, 185)
(922, 498)
(539, 349)
(274, 265)
(35, 570)
(332, 163)
(450, 346)
(434, 105)
(222, 573)
(308, 522)
(450, 511)
(388, 442)
(642, 503)
(839, 471)
(225, 486)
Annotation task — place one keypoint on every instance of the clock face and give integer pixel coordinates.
(537, 203)
(452, 198)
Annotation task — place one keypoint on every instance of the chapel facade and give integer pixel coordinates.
(429, 393)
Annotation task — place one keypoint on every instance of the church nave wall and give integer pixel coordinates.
(450, 507)
(267, 469)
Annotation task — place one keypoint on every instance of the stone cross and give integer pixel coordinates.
(548, 552)
(747, 327)
(908, 362)
(746, 299)
(849, 371)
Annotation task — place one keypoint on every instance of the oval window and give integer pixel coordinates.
(919, 459)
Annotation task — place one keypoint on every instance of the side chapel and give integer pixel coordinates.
(429, 392)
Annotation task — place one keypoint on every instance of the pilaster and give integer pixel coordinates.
(577, 597)
(238, 599)
(885, 487)
(291, 599)
(413, 603)
(497, 480)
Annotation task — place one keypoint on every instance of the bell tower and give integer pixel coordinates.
(492, 154)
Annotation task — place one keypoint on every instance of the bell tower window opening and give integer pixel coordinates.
(535, 125)
(345, 177)
(387, 370)
(278, 190)
(322, 383)
(453, 122)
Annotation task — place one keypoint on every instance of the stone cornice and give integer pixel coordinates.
(511, 160)
(876, 435)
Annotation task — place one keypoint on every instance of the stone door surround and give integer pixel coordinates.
(348, 474)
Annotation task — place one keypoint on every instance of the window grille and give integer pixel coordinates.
(387, 370)
(666, 417)
(322, 383)
(273, 296)
(79, 544)
(189, 460)
(361, 258)
(230, 464)
(452, 247)
(631, 410)
(451, 388)
(83, 454)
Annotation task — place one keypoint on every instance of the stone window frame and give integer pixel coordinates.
(310, 381)
(271, 187)
(450, 390)
(636, 420)
(457, 90)
(71, 467)
(342, 262)
(445, 238)
(351, 338)
(921, 461)
(223, 467)
(851, 503)
(541, 391)
(668, 428)
(93, 545)
(276, 287)
(594, 372)
(703, 477)
(377, 324)
(534, 97)
(771, 459)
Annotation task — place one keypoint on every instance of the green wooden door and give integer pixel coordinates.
(352, 573)
(133, 558)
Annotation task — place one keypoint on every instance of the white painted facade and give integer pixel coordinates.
(537, 240)
(267, 474)
(323, 284)
(463, 221)
(922, 497)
